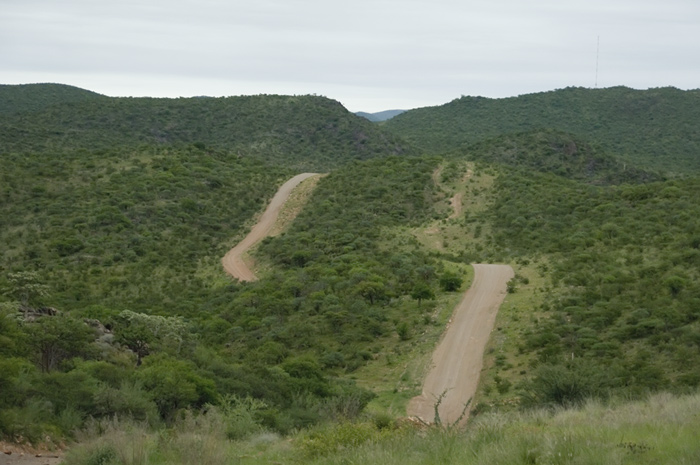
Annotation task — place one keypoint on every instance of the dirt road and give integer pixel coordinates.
(15, 454)
(233, 261)
(458, 358)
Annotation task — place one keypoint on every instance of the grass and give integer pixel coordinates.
(662, 429)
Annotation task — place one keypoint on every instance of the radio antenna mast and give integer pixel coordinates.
(597, 55)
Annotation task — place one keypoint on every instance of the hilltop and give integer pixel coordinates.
(305, 132)
(651, 129)
(27, 98)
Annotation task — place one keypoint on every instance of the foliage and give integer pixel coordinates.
(451, 281)
(175, 384)
(651, 129)
(301, 132)
(54, 339)
(124, 229)
(565, 155)
(27, 98)
(122, 208)
(142, 333)
(26, 287)
(624, 270)
(281, 340)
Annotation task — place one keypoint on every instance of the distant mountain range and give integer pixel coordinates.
(380, 116)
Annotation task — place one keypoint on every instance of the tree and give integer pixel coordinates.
(142, 333)
(26, 288)
(450, 281)
(372, 290)
(422, 292)
(175, 384)
(57, 338)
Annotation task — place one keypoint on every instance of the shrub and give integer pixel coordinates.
(331, 438)
(450, 281)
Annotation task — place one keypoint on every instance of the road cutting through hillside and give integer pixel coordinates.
(233, 260)
(458, 358)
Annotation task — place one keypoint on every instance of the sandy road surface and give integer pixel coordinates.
(233, 260)
(15, 454)
(30, 459)
(458, 358)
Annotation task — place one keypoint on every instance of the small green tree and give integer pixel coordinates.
(143, 333)
(421, 292)
(26, 288)
(373, 290)
(57, 338)
(450, 281)
(175, 384)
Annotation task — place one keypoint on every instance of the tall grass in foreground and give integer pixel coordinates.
(661, 430)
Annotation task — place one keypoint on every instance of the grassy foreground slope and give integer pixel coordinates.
(659, 430)
(652, 128)
(300, 132)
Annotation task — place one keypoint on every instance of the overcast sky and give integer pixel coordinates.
(370, 55)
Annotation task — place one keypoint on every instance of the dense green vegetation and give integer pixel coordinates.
(99, 227)
(132, 240)
(301, 132)
(116, 317)
(16, 99)
(550, 151)
(623, 297)
(652, 128)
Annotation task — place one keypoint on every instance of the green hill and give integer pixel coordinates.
(115, 314)
(652, 128)
(27, 98)
(304, 132)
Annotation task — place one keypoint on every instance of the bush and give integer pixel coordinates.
(130, 400)
(331, 438)
(450, 281)
(174, 384)
(564, 385)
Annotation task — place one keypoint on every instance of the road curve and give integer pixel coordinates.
(233, 260)
(458, 358)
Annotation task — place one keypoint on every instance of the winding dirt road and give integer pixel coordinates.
(458, 358)
(233, 260)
